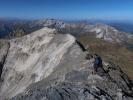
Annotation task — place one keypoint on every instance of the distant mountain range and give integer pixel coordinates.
(108, 31)
(125, 26)
(15, 28)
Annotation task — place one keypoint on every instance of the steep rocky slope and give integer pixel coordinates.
(47, 65)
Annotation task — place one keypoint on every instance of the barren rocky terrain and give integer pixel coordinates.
(48, 65)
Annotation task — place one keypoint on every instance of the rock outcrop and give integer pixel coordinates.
(47, 65)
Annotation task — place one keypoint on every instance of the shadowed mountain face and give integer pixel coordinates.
(48, 65)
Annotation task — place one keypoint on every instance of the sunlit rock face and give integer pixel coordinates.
(47, 65)
(32, 58)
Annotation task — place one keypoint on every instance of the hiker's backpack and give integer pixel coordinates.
(100, 61)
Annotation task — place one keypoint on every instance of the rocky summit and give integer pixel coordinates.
(48, 65)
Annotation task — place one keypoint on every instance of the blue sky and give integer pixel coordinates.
(68, 9)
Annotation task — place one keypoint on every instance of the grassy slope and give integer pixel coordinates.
(117, 53)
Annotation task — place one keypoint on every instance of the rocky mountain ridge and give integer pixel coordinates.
(48, 65)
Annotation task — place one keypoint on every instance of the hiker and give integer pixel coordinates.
(97, 62)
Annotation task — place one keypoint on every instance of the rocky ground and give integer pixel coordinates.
(47, 65)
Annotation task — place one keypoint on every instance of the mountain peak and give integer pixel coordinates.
(108, 33)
